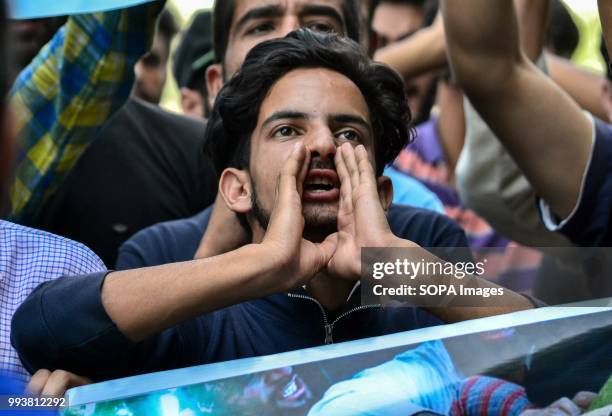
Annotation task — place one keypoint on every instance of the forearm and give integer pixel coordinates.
(421, 52)
(482, 42)
(146, 301)
(451, 125)
(605, 14)
(583, 86)
(462, 303)
(543, 129)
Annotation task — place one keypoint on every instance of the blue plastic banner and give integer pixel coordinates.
(30, 9)
(541, 327)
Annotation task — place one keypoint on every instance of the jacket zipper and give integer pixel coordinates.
(329, 328)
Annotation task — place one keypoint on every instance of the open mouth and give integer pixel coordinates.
(321, 185)
(294, 393)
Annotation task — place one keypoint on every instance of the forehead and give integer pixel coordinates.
(288, 6)
(397, 19)
(317, 92)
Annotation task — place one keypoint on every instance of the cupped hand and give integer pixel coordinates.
(296, 259)
(361, 218)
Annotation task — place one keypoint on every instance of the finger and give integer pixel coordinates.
(584, 399)
(301, 177)
(37, 382)
(363, 162)
(328, 247)
(348, 154)
(345, 212)
(543, 412)
(566, 405)
(287, 206)
(60, 381)
(288, 177)
(324, 252)
(345, 179)
(367, 176)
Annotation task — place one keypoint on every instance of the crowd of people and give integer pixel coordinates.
(138, 240)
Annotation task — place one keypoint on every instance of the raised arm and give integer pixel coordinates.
(419, 53)
(543, 129)
(63, 98)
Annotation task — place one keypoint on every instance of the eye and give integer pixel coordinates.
(320, 27)
(284, 131)
(260, 29)
(349, 135)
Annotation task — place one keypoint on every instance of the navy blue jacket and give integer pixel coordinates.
(63, 323)
(178, 240)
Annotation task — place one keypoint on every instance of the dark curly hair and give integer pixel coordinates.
(237, 106)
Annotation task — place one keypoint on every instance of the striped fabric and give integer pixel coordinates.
(28, 258)
(482, 396)
(62, 99)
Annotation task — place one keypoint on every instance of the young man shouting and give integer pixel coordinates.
(300, 137)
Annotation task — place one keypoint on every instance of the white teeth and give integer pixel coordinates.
(290, 388)
(319, 181)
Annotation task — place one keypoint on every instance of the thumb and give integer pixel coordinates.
(328, 247)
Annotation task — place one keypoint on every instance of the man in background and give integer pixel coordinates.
(27, 37)
(192, 58)
(151, 69)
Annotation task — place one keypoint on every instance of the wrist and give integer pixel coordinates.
(265, 278)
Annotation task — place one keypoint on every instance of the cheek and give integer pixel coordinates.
(266, 165)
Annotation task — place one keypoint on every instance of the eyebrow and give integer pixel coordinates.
(255, 13)
(275, 10)
(321, 10)
(348, 118)
(285, 114)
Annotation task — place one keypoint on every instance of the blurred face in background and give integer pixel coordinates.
(151, 71)
(27, 37)
(256, 21)
(392, 23)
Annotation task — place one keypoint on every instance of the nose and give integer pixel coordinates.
(289, 24)
(321, 143)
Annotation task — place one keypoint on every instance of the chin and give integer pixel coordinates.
(320, 222)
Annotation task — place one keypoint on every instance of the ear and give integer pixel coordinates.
(214, 82)
(192, 103)
(235, 189)
(385, 192)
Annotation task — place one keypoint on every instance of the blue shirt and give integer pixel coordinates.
(409, 191)
(590, 224)
(178, 240)
(28, 258)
